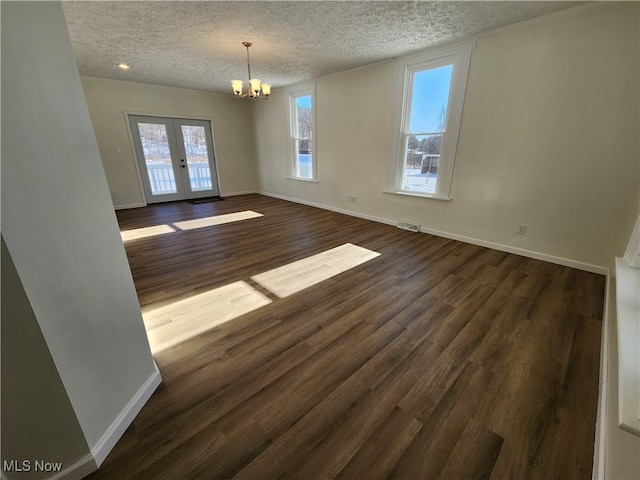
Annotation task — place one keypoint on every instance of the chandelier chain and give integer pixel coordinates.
(247, 44)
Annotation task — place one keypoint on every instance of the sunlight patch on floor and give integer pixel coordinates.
(138, 233)
(175, 322)
(145, 232)
(216, 220)
(181, 320)
(294, 277)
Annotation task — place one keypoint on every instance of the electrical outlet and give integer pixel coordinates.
(120, 150)
(114, 194)
(351, 198)
(521, 229)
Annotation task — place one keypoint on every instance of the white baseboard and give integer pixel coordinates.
(235, 194)
(129, 205)
(566, 262)
(224, 194)
(78, 470)
(122, 422)
(99, 452)
(328, 207)
(599, 451)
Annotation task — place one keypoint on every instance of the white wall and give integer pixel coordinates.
(549, 138)
(59, 225)
(38, 421)
(230, 118)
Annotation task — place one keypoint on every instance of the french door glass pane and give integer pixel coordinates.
(157, 156)
(421, 163)
(195, 147)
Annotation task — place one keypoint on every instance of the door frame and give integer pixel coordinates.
(130, 133)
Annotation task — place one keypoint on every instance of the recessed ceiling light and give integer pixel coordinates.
(124, 66)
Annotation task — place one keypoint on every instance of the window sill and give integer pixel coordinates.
(419, 195)
(310, 180)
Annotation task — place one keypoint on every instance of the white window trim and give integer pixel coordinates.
(458, 54)
(632, 253)
(299, 91)
(628, 325)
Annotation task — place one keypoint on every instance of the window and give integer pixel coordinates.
(432, 86)
(302, 126)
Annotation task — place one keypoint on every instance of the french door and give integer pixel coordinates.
(176, 158)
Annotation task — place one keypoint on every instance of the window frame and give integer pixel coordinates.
(293, 94)
(458, 55)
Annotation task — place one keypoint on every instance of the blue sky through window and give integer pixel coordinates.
(302, 102)
(430, 93)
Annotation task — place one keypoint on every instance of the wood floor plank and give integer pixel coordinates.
(337, 366)
(364, 416)
(433, 359)
(379, 454)
(474, 455)
(296, 443)
(428, 453)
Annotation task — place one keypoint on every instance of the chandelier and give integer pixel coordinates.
(253, 91)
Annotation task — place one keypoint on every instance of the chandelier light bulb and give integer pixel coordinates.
(255, 86)
(237, 86)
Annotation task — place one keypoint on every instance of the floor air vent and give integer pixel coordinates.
(412, 227)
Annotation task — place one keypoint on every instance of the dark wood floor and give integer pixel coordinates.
(437, 359)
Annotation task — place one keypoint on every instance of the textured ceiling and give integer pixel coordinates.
(199, 44)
